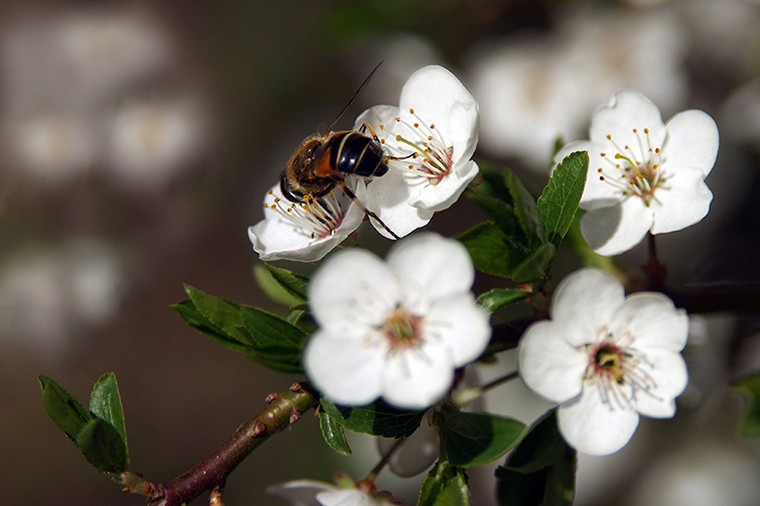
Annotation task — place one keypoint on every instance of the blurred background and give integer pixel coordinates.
(138, 139)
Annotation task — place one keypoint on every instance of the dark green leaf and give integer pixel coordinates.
(378, 419)
(499, 297)
(541, 470)
(502, 215)
(559, 200)
(493, 184)
(262, 336)
(272, 287)
(491, 250)
(105, 403)
(332, 431)
(222, 314)
(526, 210)
(268, 330)
(535, 266)
(445, 485)
(102, 446)
(750, 388)
(67, 413)
(473, 439)
(295, 284)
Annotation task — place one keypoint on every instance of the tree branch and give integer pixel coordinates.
(211, 473)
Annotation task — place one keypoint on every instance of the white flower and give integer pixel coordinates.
(644, 176)
(318, 493)
(149, 142)
(396, 329)
(305, 232)
(606, 359)
(530, 95)
(434, 131)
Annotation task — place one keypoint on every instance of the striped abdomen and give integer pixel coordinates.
(352, 152)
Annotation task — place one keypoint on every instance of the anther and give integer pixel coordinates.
(416, 125)
(411, 110)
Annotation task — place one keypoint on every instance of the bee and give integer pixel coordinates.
(319, 165)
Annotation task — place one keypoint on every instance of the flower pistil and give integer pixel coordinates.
(634, 176)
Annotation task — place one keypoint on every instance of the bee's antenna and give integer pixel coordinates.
(330, 129)
(350, 194)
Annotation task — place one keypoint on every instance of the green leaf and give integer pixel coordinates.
(295, 284)
(526, 210)
(499, 297)
(333, 433)
(272, 287)
(502, 215)
(222, 314)
(102, 446)
(491, 250)
(493, 184)
(67, 413)
(559, 201)
(378, 419)
(541, 470)
(535, 266)
(105, 403)
(445, 485)
(750, 388)
(262, 336)
(474, 439)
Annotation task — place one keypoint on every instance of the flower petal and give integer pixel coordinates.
(461, 325)
(353, 288)
(300, 492)
(683, 202)
(585, 301)
(653, 321)
(692, 141)
(431, 264)
(278, 238)
(345, 497)
(626, 111)
(439, 98)
(549, 365)
(346, 369)
(417, 378)
(667, 370)
(440, 196)
(389, 197)
(616, 229)
(595, 427)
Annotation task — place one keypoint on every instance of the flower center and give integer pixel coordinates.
(402, 329)
(317, 219)
(423, 148)
(635, 172)
(619, 371)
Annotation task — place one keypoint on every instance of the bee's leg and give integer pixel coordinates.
(350, 194)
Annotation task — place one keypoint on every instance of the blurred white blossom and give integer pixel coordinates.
(149, 142)
(535, 90)
(48, 297)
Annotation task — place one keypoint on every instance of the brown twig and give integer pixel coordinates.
(211, 473)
